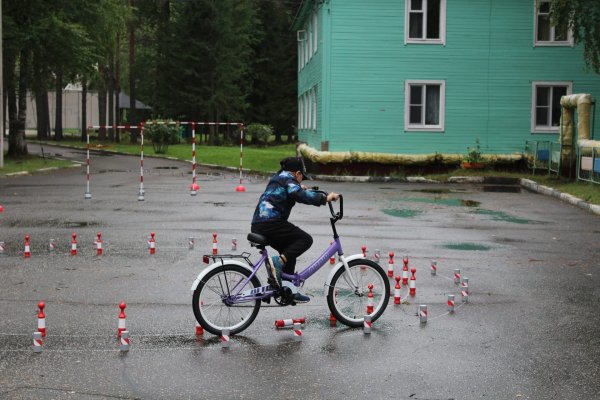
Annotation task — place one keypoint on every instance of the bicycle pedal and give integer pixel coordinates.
(267, 300)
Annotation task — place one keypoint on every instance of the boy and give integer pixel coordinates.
(271, 217)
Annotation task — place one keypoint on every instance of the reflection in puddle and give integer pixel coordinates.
(402, 213)
(466, 246)
(502, 216)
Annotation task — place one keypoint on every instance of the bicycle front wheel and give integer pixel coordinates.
(208, 301)
(349, 305)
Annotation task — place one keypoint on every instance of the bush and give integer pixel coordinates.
(161, 135)
(260, 133)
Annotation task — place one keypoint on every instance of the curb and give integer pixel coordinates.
(568, 198)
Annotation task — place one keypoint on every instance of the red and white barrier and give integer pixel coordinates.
(297, 332)
(286, 323)
(99, 244)
(41, 322)
(370, 305)
(367, 323)
(73, 244)
(434, 268)
(405, 271)
(390, 270)
(464, 290)
(240, 187)
(423, 313)
(37, 342)
(141, 192)
(397, 299)
(27, 250)
(233, 244)
(199, 329)
(124, 341)
(194, 187)
(88, 194)
(215, 250)
(457, 276)
(122, 319)
(225, 338)
(377, 256)
(152, 243)
(412, 289)
(451, 303)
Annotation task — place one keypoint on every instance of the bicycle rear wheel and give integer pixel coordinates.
(208, 303)
(350, 306)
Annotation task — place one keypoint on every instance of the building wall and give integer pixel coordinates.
(71, 114)
(488, 63)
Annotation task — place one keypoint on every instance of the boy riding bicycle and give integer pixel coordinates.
(271, 215)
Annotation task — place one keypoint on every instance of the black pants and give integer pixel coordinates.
(286, 238)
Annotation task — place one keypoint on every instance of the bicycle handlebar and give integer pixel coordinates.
(340, 214)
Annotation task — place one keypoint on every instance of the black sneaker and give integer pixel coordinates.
(301, 298)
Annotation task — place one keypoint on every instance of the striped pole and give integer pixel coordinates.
(37, 342)
(367, 323)
(88, 194)
(141, 192)
(194, 186)
(241, 187)
(225, 338)
(124, 342)
(464, 290)
(423, 313)
(451, 303)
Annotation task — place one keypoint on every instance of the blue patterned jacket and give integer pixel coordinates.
(282, 193)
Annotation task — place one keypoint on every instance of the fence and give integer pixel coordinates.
(588, 163)
(543, 155)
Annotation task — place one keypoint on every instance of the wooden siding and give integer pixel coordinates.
(489, 63)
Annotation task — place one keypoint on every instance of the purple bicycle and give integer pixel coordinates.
(228, 294)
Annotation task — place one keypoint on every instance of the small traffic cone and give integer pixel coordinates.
(332, 320)
(367, 323)
(42, 319)
(122, 319)
(214, 245)
(124, 341)
(27, 251)
(37, 342)
(364, 250)
(423, 313)
(457, 276)
(332, 258)
(199, 329)
(225, 338)
(152, 243)
(397, 291)
(464, 290)
(391, 265)
(451, 303)
(405, 271)
(413, 282)
(370, 306)
(73, 244)
(99, 244)
(285, 323)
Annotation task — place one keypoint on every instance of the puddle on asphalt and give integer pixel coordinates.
(402, 213)
(53, 223)
(502, 216)
(104, 171)
(166, 167)
(501, 189)
(466, 246)
(444, 201)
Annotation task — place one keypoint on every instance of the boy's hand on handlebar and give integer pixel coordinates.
(332, 197)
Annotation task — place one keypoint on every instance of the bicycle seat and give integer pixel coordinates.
(256, 239)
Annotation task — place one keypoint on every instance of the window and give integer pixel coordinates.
(315, 31)
(546, 111)
(545, 32)
(425, 21)
(424, 103)
(313, 124)
(310, 38)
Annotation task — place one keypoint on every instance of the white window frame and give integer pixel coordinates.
(310, 38)
(299, 113)
(536, 42)
(314, 108)
(534, 85)
(315, 31)
(408, 127)
(441, 40)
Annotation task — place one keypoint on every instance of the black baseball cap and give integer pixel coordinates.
(294, 164)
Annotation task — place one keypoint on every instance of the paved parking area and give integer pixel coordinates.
(530, 330)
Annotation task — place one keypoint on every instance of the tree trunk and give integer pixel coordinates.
(102, 105)
(84, 124)
(17, 145)
(110, 85)
(132, 76)
(42, 133)
(58, 125)
(118, 88)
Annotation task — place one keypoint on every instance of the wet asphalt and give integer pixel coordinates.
(529, 331)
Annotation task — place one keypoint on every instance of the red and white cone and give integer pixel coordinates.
(122, 319)
(41, 323)
(370, 306)
(99, 244)
(367, 324)
(152, 243)
(423, 313)
(297, 332)
(364, 250)
(285, 323)
(332, 320)
(405, 271)
(397, 299)
(456, 276)
(434, 268)
(225, 338)
(464, 290)
(412, 289)
(37, 342)
(451, 303)
(199, 330)
(214, 244)
(390, 271)
(124, 341)
(73, 244)
(27, 250)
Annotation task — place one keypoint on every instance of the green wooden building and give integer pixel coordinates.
(415, 77)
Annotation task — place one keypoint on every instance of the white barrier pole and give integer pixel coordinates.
(141, 192)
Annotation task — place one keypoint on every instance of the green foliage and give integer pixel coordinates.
(474, 153)
(582, 17)
(259, 133)
(161, 134)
